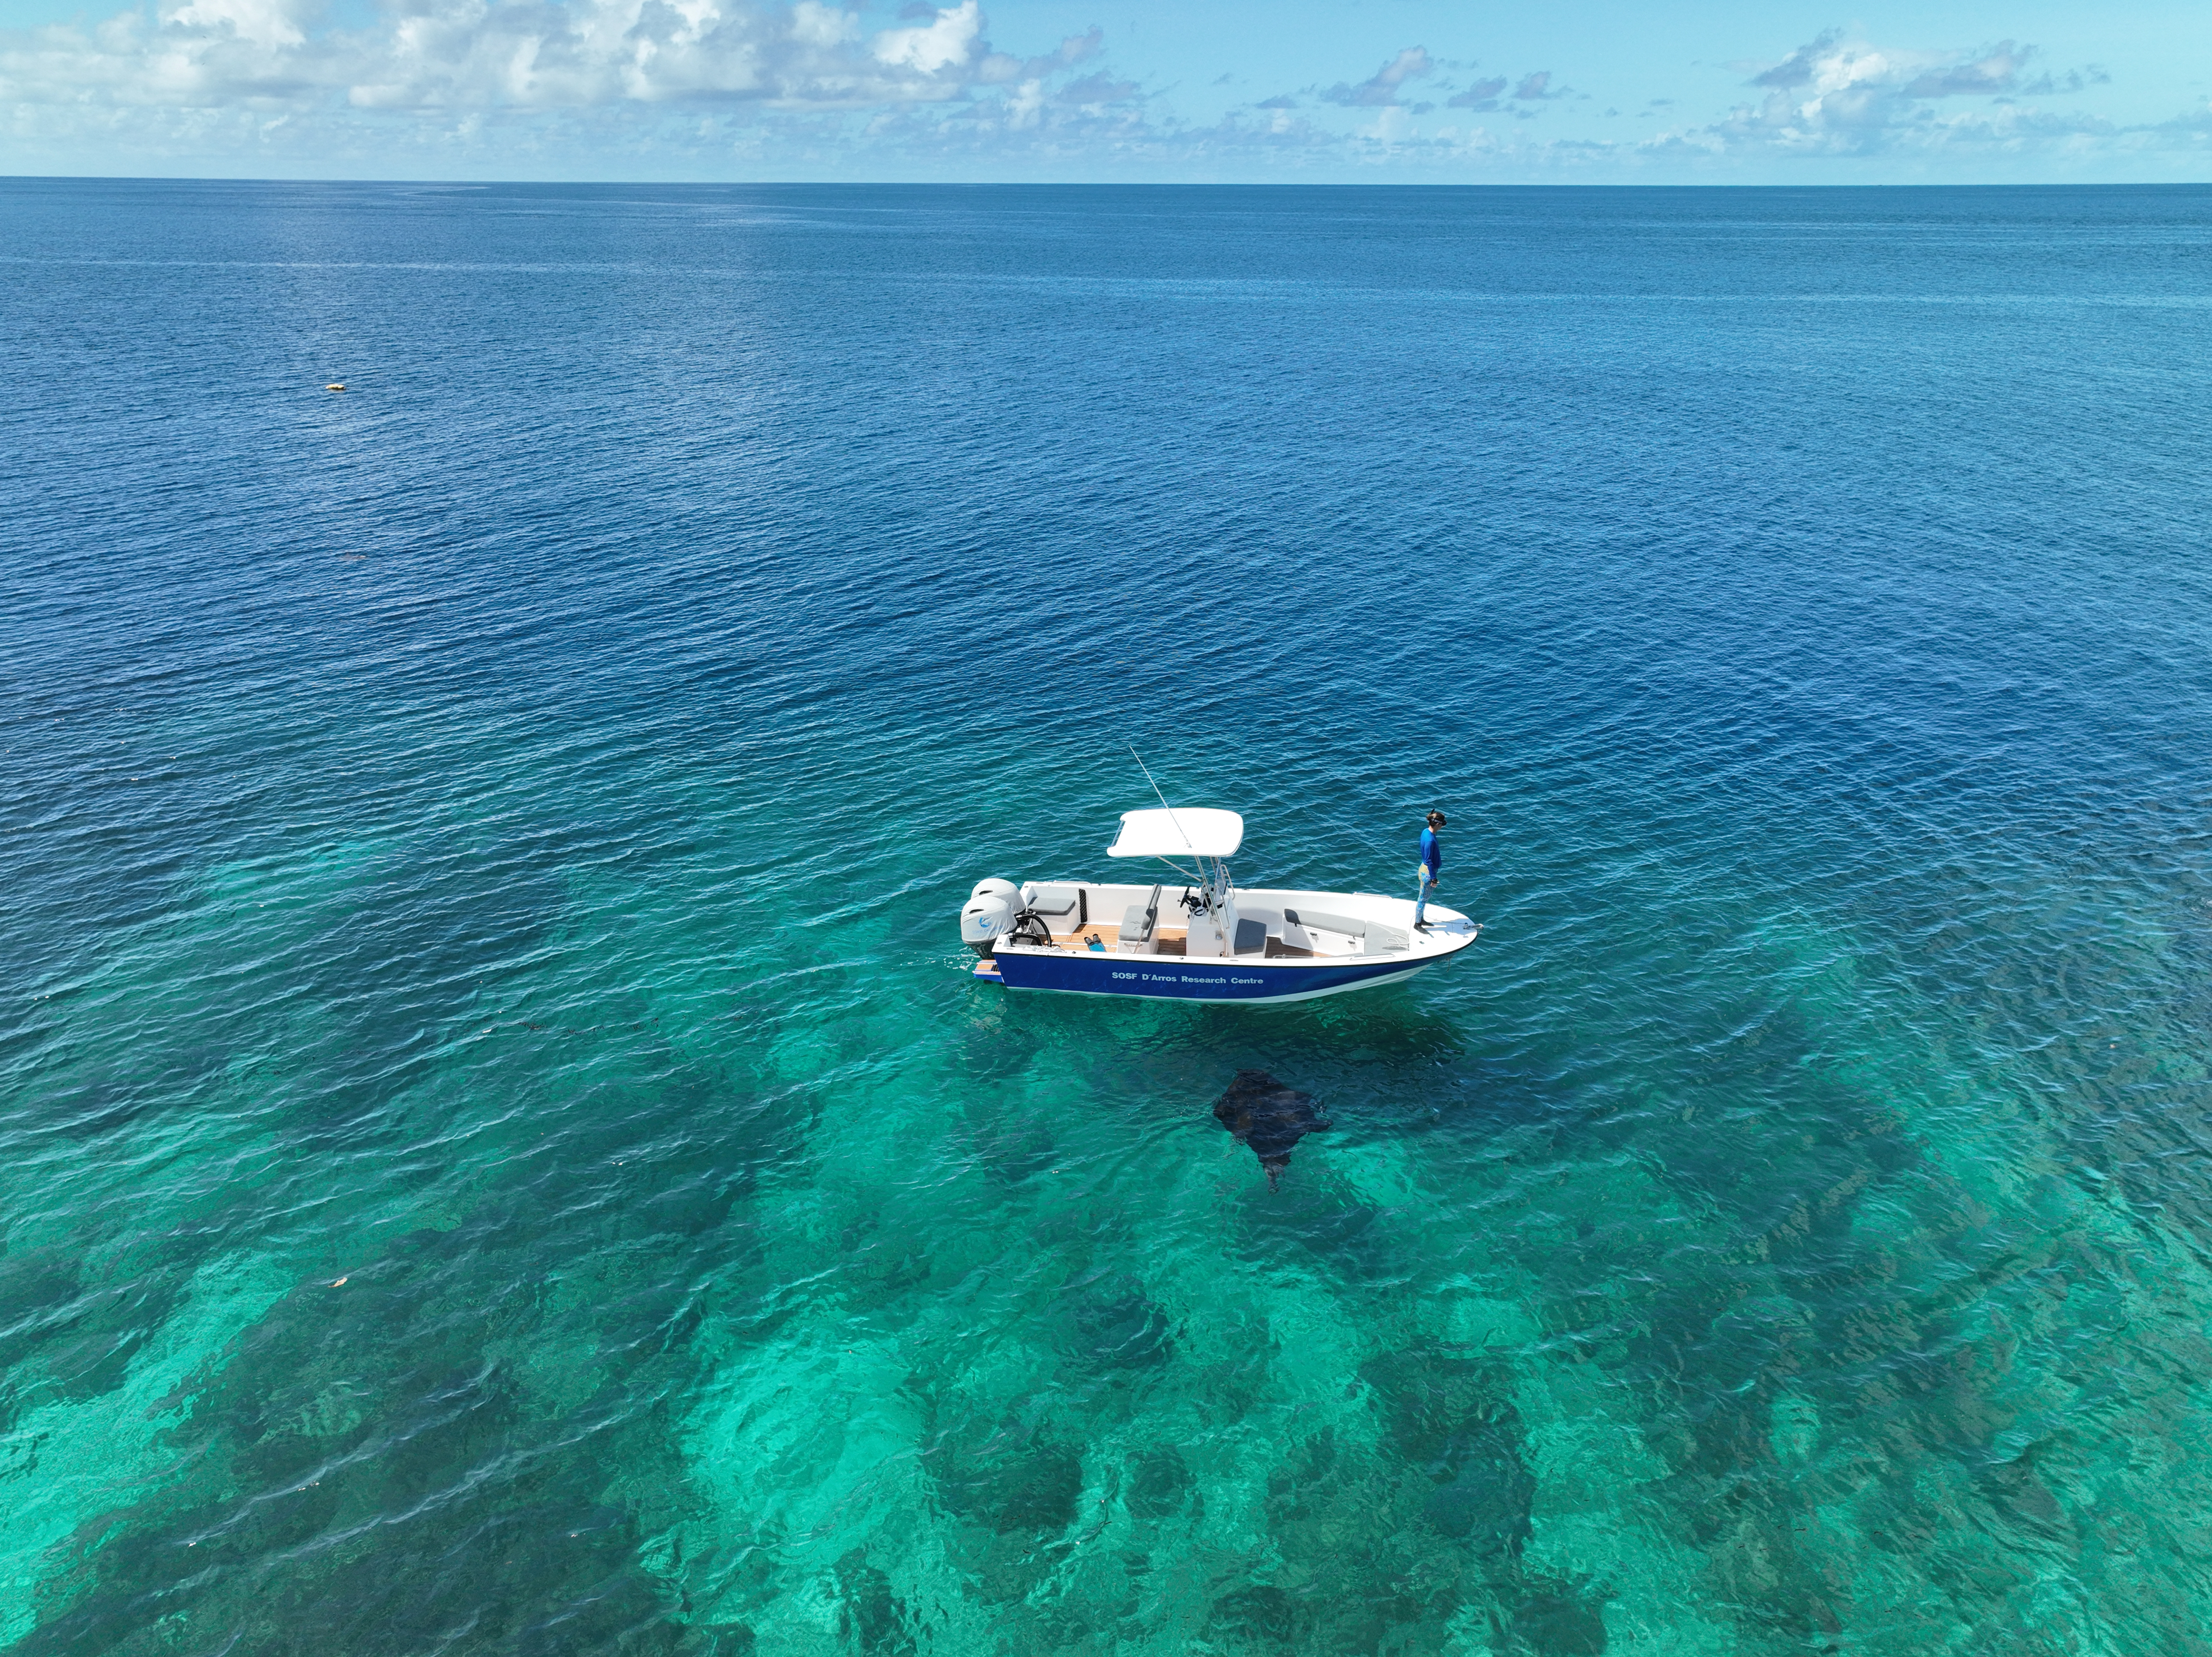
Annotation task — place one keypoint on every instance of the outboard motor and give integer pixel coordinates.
(989, 911)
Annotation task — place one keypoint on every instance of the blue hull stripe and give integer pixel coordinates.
(1178, 980)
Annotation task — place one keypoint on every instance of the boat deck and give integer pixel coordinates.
(1306, 931)
(1097, 937)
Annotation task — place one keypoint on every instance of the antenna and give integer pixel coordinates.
(1162, 798)
(1170, 809)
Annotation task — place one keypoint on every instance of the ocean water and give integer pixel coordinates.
(499, 1152)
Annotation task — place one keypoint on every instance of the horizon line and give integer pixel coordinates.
(1076, 184)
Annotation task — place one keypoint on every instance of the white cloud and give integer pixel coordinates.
(1414, 64)
(268, 23)
(706, 88)
(1481, 95)
(489, 54)
(947, 40)
(1838, 96)
(1834, 97)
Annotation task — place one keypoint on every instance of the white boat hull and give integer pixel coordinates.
(1304, 946)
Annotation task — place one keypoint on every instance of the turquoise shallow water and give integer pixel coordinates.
(498, 1150)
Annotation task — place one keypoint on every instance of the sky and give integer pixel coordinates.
(1380, 91)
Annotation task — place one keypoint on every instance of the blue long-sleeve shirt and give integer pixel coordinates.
(1432, 853)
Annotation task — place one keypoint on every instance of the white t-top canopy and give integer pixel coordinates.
(1187, 831)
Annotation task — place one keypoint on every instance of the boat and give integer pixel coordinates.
(1207, 941)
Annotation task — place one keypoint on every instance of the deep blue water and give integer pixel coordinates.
(498, 1150)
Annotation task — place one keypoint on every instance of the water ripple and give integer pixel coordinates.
(503, 1153)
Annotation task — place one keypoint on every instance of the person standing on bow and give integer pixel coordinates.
(1433, 866)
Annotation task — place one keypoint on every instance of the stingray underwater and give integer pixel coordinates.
(1268, 1115)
